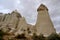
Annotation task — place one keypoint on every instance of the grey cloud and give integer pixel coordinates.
(8, 4)
(58, 29)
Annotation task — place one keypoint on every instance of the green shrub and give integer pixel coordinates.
(35, 37)
(1, 35)
(22, 36)
(40, 37)
(54, 36)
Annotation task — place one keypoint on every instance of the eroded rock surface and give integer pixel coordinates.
(14, 23)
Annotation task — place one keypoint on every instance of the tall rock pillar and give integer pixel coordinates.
(44, 24)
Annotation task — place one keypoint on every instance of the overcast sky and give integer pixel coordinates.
(28, 9)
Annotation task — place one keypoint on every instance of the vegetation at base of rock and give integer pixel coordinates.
(54, 36)
(22, 36)
(40, 37)
(1, 34)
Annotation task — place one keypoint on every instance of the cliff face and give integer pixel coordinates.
(14, 23)
(9, 21)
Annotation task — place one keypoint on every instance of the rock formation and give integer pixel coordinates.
(14, 23)
(10, 21)
(44, 24)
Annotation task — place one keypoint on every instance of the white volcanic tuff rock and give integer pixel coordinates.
(15, 23)
(44, 24)
(10, 21)
(22, 25)
(1, 15)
